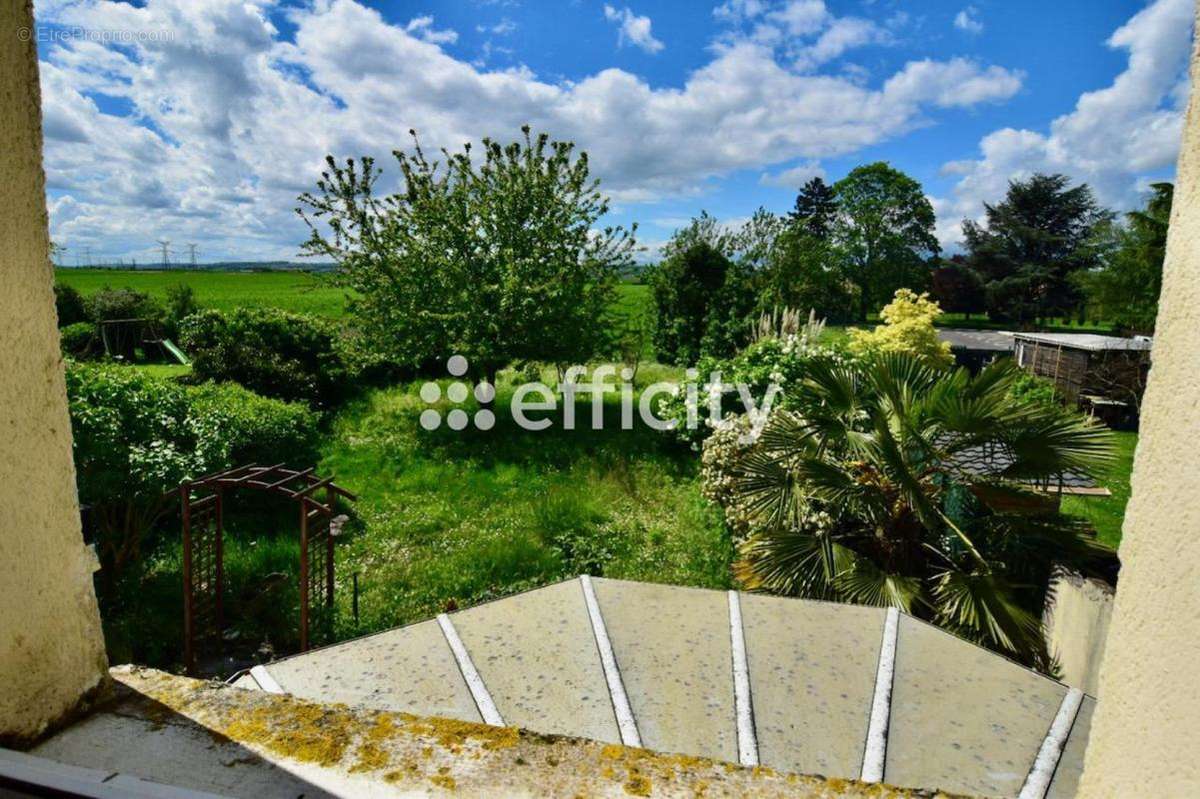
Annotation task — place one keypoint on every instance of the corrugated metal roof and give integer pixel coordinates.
(1088, 341)
(978, 340)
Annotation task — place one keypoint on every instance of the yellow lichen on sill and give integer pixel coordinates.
(413, 753)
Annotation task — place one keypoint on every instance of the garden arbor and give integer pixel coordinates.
(202, 507)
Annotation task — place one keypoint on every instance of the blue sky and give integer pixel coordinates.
(208, 117)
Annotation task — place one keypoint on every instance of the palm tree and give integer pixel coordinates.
(894, 483)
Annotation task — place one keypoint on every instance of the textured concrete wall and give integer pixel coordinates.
(1077, 622)
(1144, 738)
(51, 649)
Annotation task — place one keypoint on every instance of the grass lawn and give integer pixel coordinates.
(448, 519)
(1107, 513)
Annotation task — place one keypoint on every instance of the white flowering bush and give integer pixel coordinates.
(779, 361)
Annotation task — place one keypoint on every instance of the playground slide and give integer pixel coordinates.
(170, 347)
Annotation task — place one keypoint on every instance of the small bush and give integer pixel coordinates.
(69, 304)
(273, 352)
(108, 304)
(181, 303)
(908, 328)
(79, 340)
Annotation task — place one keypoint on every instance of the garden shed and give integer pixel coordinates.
(1083, 365)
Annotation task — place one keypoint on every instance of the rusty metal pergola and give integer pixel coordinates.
(202, 508)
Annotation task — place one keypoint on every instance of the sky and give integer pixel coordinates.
(201, 121)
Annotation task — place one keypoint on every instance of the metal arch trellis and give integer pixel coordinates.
(202, 507)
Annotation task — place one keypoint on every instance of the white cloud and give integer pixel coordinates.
(501, 28)
(842, 34)
(1113, 138)
(633, 29)
(230, 122)
(968, 20)
(422, 28)
(795, 177)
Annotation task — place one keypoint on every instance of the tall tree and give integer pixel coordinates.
(1032, 243)
(885, 225)
(1125, 289)
(816, 208)
(704, 299)
(500, 261)
(957, 287)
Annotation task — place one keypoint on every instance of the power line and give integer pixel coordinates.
(192, 253)
(166, 251)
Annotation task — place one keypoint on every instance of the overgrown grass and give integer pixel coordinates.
(1108, 513)
(447, 519)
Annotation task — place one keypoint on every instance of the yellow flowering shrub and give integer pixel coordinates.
(907, 327)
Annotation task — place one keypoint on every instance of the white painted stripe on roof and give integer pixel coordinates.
(626, 724)
(479, 691)
(875, 755)
(747, 741)
(1038, 781)
(265, 681)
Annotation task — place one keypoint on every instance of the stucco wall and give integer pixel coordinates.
(1144, 737)
(51, 649)
(1076, 620)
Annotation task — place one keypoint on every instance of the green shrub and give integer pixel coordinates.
(770, 361)
(181, 303)
(137, 437)
(109, 304)
(1031, 388)
(704, 302)
(273, 352)
(79, 339)
(235, 426)
(69, 304)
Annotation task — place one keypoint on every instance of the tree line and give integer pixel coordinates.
(1046, 251)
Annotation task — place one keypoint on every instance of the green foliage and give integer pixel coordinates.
(500, 262)
(273, 352)
(79, 340)
(957, 288)
(885, 226)
(861, 494)
(806, 271)
(774, 361)
(907, 328)
(181, 303)
(815, 209)
(451, 519)
(69, 304)
(1030, 388)
(1033, 242)
(1125, 287)
(109, 304)
(704, 301)
(136, 437)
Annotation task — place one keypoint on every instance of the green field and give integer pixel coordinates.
(302, 292)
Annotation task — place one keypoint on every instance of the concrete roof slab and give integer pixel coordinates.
(673, 648)
(409, 668)
(538, 657)
(963, 718)
(812, 672)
